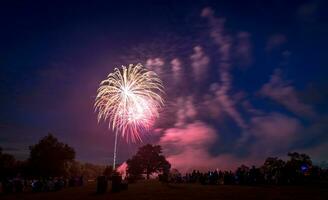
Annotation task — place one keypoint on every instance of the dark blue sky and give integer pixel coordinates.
(253, 73)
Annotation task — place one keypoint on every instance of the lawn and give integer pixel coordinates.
(155, 190)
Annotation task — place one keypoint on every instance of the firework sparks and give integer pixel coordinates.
(130, 100)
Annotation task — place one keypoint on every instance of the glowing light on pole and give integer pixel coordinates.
(130, 99)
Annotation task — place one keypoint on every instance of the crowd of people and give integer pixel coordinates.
(299, 169)
(211, 177)
(18, 185)
(249, 176)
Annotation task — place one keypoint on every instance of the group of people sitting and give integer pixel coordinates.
(210, 177)
(18, 185)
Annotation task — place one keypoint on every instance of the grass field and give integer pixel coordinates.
(155, 190)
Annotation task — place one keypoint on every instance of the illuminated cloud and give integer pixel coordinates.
(176, 68)
(285, 94)
(188, 148)
(243, 49)
(308, 12)
(199, 63)
(228, 105)
(224, 43)
(250, 108)
(155, 64)
(217, 32)
(275, 41)
(185, 110)
(273, 133)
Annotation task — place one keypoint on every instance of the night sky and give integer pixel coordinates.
(243, 79)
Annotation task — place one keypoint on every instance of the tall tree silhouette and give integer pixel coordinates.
(297, 167)
(148, 160)
(7, 165)
(273, 169)
(50, 157)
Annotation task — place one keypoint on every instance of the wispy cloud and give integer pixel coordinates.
(275, 40)
(199, 63)
(284, 93)
(273, 133)
(244, 49)
(187, 147)
(155, 64)
(176, 68)
(185, 110)
(308, 12)
(217, 32)
(224, 43)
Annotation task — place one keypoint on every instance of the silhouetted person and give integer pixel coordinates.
(102, 184)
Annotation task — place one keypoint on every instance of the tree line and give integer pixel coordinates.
(52, 158)
(298, 169)
(48, 158)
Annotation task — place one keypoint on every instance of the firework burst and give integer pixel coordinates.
(130, 100)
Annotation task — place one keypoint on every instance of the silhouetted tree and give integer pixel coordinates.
(148, 160)
(7, 165)
(50, 157)
(297, 167)
(299, 159)
(273, 169)
(91, 171)
(242, 174)
(134, 169)
(73, 168)
(255, 176)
